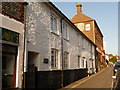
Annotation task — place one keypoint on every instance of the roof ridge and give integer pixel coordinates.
(87, 16)
(80, 17)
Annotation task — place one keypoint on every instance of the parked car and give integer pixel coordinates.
(116, 67)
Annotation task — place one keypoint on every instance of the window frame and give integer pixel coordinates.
(79, 58)
(83, 43)
(86, 27)
(55, 17)
(66, 61)
(82, 61)
(55, 60)
(65, 31)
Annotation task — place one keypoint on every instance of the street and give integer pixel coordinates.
(58, 45)
(102, 79)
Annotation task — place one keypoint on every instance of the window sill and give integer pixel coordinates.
(65, 68)
(82, 68)
(66, 39)
(55, 34)
(53, 69)
(83, 48)
(87, 30)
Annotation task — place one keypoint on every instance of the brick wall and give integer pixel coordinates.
(14, 10)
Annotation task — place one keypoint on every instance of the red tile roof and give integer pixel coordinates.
(80, 17)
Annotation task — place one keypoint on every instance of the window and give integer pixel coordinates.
(87, 27)
(91, 47)
(83, 62)
(78, 61)
(54, 58)
(65, 31)
(53, 23)
(65, 60)
(83, 41)
(78, 39)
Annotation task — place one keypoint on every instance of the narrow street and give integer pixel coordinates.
(58, 45)
(102, 79)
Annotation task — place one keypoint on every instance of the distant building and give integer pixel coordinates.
(91, 29)
(110, 56)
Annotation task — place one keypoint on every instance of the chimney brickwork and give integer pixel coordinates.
(79, 8)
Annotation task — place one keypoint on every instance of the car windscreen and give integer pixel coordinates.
(118, 65)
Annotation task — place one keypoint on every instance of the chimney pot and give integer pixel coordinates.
(79, 8)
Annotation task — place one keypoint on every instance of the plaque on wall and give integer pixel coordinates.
(45, 60)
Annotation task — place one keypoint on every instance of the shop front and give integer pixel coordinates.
(10, 43)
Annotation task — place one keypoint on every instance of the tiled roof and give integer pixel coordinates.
(80, 17)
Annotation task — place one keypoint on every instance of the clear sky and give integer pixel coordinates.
(106, 15)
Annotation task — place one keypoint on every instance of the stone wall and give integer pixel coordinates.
(13, 10)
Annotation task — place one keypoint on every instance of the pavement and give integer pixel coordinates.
(101, 79)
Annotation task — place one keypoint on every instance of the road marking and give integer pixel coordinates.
(88, 78)
(112, 84)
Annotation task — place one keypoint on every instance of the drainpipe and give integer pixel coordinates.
(92, 59)
(62, 52)
(24, 49)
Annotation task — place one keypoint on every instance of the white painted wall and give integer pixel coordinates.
(41, 39)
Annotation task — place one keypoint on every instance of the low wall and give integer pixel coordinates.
(53, 79)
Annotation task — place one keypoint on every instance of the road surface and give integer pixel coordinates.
(102, 79)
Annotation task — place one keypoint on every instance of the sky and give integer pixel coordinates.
(106, 16)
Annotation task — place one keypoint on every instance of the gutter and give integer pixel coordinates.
(62, 52)
(24, 52)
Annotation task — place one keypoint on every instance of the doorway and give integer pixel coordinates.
(33, 59)
(9, 55)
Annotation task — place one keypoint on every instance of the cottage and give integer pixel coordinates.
(91, 29)
(56, 47)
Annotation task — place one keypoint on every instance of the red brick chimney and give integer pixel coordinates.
(79, 8)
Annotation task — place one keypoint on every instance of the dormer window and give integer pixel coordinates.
(87, 27)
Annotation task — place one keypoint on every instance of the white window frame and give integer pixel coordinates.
(66, 60)
(65, 30)
(54, 22)
(79, 61)
(82, 62)
(83, 43)
(89, 47)
(78, 39)
(54, 59)
(87, 27)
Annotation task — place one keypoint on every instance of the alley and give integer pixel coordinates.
(102, 79)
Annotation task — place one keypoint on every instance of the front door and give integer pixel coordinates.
(8, 66)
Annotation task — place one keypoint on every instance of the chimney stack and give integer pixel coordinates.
(79, 8)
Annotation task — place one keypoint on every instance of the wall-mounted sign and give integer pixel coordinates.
(46, 60)
(9, 36)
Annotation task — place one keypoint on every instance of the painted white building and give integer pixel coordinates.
(44, 47)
